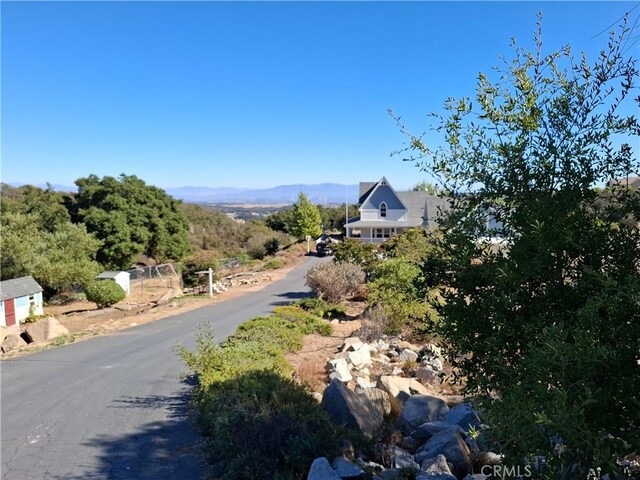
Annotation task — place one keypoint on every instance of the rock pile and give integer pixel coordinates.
(395, 380)
(18, 336)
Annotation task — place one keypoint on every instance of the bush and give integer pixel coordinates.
(332, 281)
(273, 264)
(320, 308)
(272, 246)
(256, 421)
(198, 263)
(105, 293)
(354, 251)
(306, 322)
(396, 289)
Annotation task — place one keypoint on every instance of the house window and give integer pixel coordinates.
(383, 210)
(32, 299)
(383, 232)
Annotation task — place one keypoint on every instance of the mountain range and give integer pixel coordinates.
(323, 193)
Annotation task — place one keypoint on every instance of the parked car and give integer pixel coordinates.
(324, 249)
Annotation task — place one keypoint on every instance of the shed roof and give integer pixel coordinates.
(18, 287)
(111, 274)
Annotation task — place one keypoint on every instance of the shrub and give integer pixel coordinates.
(320, 308)
(272, 246)
(306, 322)
(354, 251)
(396, 290)
(258, 423)
(273, 264)
(332, 281)
(105, 293)
(198, 263)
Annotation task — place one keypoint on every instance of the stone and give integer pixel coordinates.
(427, 376)
(420, 409)
(403, 459)
(364, 383)
(408, 356)
(365, 371)
(317, 396)
(390, 474)
(397, 371)
(410, 444)
(321, 470)
(351, 344)
(450, 444)
(379, 398)
(400, 387)
(427, 430)
(345, 407)
(346, 468)
(463, 416)
(340, 370)
(382, 359)
(436, 465)
(44, 330)
(12, 342)
(404, 345)
(3, 334)
(362, 356)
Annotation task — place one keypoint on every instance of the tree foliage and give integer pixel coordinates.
(304, 219)
(352, 250)
(548, 332)
(58, 260)
(130, 218)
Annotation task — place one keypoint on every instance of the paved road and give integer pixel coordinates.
(112, 407)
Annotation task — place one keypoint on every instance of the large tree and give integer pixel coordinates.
(546, 327)
(130, 217)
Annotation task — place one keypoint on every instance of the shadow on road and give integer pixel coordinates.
(289, 297)
(160, 449)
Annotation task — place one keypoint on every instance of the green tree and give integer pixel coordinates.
(58, 260)
(547, 327)
(425, 186)
(130, 218)
(352, 250)
(305, 220)
(413, 244)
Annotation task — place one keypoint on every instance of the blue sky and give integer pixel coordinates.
(245, 94)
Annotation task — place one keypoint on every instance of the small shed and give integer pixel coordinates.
(121, 278)
(19, 297)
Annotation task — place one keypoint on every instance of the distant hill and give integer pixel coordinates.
(323, 193)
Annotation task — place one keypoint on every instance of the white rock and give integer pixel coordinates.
(340, 370)
(408, 356)
(351, 344)
(360, 356)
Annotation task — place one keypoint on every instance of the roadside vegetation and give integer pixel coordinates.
(257, 422)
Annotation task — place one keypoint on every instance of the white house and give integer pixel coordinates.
(121, 278)
(19, 297)
(385, 212)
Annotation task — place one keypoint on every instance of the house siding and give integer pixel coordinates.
(392, 215)
(22, 305)
(383, 193)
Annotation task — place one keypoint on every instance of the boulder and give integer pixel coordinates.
(403, 459)
(436, 465)
(379, 398)
(427, 430)
(435, 363)
(427, 376)
(408, 356)
(463, 416)
(410, 444)
(400, 387)
(340, 370)
(44, 330)
(420, 409)
(390, 474)
(404, 345)
(382, 359)
(436, 476)
(346, 468)
(351, 344)
(450, 444)
(321, 470)
(12, 342)
(345, 407)
(361, 356)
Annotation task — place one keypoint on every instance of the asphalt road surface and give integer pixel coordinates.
(113, 407)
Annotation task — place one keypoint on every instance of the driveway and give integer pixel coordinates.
(113, 407)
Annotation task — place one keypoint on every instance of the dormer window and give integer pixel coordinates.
(383, 210)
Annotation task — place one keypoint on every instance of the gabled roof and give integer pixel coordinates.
(18, 287)
(365, 190)
(382, 192)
